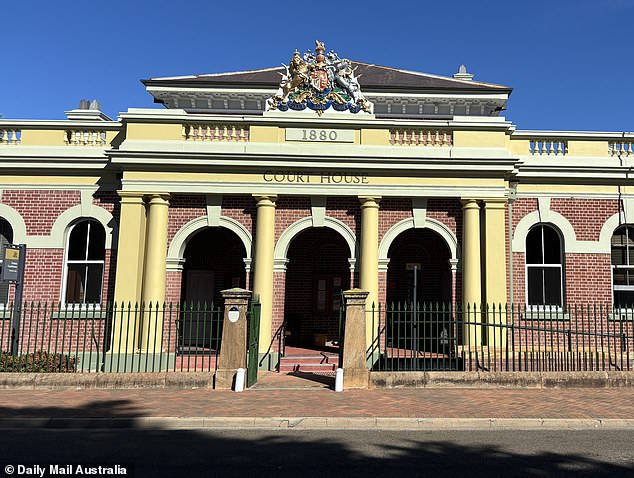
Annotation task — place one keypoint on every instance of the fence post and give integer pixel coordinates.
(355, 368)
(233, 347)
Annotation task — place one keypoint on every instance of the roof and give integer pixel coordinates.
(371, 77)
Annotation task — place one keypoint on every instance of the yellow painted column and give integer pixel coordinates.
(471, 273)
(263, 274)
(495, 267)
(369, 267)
(129, 273)
(154, 271)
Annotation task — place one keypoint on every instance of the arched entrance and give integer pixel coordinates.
(213, 261)
(318, 270)
(419, 293)
(419, 268)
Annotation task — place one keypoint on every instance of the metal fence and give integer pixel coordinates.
(110, 338)
(427, 337)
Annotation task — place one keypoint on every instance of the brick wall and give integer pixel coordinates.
(587, 276)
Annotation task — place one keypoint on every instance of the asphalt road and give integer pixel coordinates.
(302, 453)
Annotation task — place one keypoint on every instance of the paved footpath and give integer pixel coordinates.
(275, 405)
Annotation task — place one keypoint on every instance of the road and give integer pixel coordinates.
(302, 453)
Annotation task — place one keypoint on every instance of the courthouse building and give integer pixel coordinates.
(299, 182)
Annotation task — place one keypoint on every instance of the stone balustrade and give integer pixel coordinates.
(548, 147)
(410, 137)
(215, 133)
(623, 148)
(10, 136)
(83, 137)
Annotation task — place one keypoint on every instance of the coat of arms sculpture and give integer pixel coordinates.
(319, 81)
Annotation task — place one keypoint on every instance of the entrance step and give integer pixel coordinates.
(307, 367)
(315, 362)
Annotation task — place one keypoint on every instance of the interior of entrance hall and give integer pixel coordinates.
(419, 268)
(214, 261)
(318, 270)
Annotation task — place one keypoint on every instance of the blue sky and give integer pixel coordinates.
(570, 62)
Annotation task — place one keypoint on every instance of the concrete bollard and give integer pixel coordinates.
(239, 387)
(339, 380)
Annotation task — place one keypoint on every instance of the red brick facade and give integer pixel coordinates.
(587, 275)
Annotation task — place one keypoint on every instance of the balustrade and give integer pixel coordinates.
(215, 132)
(10, 136)
(78, 137)
(548, 147)
(621, 148)
(405, 137)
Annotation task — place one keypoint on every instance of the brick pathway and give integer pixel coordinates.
(322, 402)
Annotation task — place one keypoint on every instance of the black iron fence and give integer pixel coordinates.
(110, 338)
(428, 337)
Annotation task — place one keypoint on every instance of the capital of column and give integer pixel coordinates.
(265, 199)
(453, 265)
(494, 203)
(369, 201)
(131, 197)
(159, 199)
(279, 265)
(469, 203)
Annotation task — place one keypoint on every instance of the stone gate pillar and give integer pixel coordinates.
(355, 368)
(233, 347)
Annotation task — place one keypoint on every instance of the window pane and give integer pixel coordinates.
(552, 246)
(93, 287)
(6, 233)
(552, 285)
(97, 245)
(619, 276)
(618, 239)
(623, 298)
(535, 286)
(75, 285)
(618, 256)
(534, 246)
(77, 242)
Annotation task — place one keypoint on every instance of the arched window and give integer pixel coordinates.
(6, 237)
(623, 266)
(544, 271)
(85, 254)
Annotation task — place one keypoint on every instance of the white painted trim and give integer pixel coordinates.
(430, 223)
(65, 220)
(419, 211)
(214, 209)
(16, 222)
(284, 242)
(567, 232)
(560, 223)
(607, 231)
(176, 249)
(318, 210)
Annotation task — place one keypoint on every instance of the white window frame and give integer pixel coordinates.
(621, 266)
(3, 305)
(543, 307)
(82, 305)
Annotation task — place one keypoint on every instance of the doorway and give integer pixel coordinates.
(318, 271)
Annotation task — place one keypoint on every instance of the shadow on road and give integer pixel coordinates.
(167, 453)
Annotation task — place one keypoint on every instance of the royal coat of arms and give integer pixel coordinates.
(319, 81)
